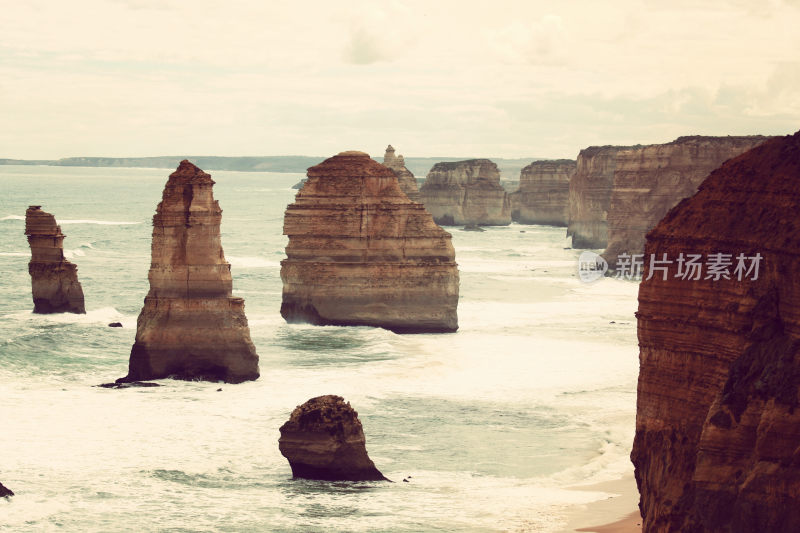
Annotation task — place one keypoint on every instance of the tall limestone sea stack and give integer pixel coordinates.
(650, 180)
(361, 253)
(466, 192)
(54, 280)
(191, 327)
(717, 444)
(407, 181)
(543, 194)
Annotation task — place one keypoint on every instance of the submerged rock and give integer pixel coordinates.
(466, 192)
(191, 327)
(472, 227)
(323, 439)
(115, 325)
(54, 280)
(122, 383)
(407, 181)
(717, 444)
(5, 492)
(543, 193)
(361, 253)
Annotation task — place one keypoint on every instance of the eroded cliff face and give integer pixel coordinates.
(191, 327)
(543, 194)
(590, 196)
(323, 439)
(466, 192)
(361, 253)
(407, 181)
(650, 180)
(54, 280)
(717, 444)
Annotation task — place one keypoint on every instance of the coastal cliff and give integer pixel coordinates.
(361, 253)
(590, 196)
(407, 181)
(717, 444)
(650, 180)
(54, 280)
(543, 193)
(466, 192)
(191, 327)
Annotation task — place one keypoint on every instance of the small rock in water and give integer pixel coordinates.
(522, 231)
(115, 325)
(323, 439)
(219, 390)
(472, 227)
(122, 384)
(5, 492)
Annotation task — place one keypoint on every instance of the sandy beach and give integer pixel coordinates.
(618, 513)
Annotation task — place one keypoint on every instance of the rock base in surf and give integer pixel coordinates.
(5, 492)
(323, 439)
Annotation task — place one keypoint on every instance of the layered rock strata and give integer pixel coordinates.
(407, 181)
(323, 439)
(590, 196)
(361, 253)
(717, 444)
(466, 192)
(54, 280)
(191, 327)
(650, 180)
(543, 193)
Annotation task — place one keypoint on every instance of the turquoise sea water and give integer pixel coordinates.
(535, 393)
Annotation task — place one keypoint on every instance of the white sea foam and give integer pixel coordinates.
(13, 217)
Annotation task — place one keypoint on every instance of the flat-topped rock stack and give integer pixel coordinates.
(191, 327)
(361, 253)
(54, 280)
(466, 192)
(543, 193)
(407, 181)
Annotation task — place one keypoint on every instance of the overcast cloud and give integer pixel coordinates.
(503, 79)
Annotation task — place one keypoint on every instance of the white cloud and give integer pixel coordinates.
(93, 77)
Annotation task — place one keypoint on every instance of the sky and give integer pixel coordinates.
(126, 78)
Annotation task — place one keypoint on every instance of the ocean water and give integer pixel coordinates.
(533, 395)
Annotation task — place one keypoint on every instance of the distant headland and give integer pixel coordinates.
(275, 163)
